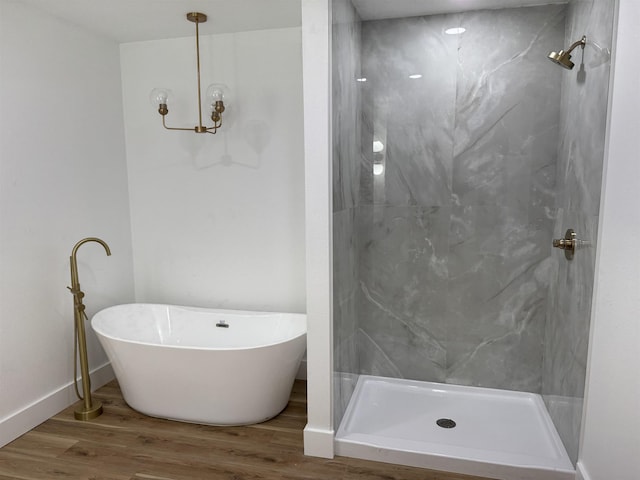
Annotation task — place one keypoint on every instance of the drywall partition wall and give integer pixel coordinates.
(218, 220)
(610, 446)
(318, 433)
(62, 178)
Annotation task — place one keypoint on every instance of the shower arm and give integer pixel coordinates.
(582, 42)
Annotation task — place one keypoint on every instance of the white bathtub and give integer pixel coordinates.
(180, 363)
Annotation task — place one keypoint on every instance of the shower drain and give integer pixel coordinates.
(446, 423)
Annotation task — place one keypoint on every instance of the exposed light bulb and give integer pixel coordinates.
(217, 92)
(415, 76)
(361, 79)
(455, 30)
(378, 169)
(160, 96)
(378, 146)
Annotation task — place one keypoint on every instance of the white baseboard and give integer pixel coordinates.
(581, 472)
(318, 443)
(31, 416)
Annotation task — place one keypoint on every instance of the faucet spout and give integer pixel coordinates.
(75, 283)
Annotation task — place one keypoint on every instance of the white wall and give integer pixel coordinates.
(62, 178)
(218, 220)
(610, 447)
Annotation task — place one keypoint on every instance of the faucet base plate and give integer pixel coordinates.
(85, 414)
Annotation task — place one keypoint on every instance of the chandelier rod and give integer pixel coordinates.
(197, 21)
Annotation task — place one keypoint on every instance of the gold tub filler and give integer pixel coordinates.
(89, 408)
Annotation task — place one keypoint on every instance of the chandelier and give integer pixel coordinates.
(215, 93)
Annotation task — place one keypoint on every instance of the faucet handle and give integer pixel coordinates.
(569, 244)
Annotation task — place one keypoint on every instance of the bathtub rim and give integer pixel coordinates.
(201, 309)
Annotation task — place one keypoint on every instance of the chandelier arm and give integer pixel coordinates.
(183, 129)
(214, 128)
(178, 128)
(174, 128)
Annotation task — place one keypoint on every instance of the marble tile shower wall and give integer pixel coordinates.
(454, 228)
(346, 184)
(580, 162)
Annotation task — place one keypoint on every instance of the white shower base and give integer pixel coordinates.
(499, 434)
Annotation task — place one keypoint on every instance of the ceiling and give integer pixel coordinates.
(137, 20)
(379, 9)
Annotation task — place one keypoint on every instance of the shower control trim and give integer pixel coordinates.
(569, 244)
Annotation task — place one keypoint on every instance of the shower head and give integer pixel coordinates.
(563, 58)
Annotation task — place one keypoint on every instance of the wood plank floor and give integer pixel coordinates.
(123, 444)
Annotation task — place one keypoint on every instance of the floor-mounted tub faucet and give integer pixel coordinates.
(89, 409)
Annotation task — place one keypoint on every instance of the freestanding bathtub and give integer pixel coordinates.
(217, 367)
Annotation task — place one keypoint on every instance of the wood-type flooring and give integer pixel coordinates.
(123, 444)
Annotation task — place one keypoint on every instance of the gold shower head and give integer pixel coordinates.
(563, 58)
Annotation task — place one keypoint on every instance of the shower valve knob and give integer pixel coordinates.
(568, 244)
(563, 244)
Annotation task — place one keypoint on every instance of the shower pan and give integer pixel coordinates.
(455, 428)
(459, 155)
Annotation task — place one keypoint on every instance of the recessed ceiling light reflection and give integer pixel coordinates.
(361, 79)
(415, 75)
(378, 169)
(378, 146)
(455, 31)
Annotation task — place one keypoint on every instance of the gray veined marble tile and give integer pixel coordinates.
(567, 328)
(346, 101)
(346, 187)
(403, 281)
(497, 327)
(510, 360)
(345, 255)
(566, 413)
(411, 118)
(403, 258)
(579, 175)
(485, 141)
(393, 50)
(373, 359)
(498, 281)
(417, 167)
(584, 105)
(507, 112)
(406, 343)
